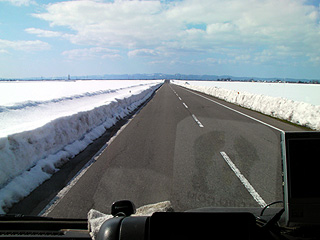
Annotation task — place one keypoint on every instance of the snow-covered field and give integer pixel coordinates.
(297, 103)
(43, 124)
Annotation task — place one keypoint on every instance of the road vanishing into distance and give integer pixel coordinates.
(186, 147)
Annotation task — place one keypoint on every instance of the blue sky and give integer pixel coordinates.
(253, 38)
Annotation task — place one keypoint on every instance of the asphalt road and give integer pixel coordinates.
(188, 148)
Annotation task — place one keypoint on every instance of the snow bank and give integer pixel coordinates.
(29, 158)
(300, 92)
(301, 113)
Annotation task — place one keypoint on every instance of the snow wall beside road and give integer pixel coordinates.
(301, 113)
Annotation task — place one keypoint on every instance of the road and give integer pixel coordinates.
(186, 147)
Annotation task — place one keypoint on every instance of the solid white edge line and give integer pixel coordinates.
(278, 129)
(244, 181)
(56, 200)
(185, 105)
(197, 121)
(63, 192)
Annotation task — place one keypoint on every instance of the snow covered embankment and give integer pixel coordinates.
(304, 114)
(31, 157)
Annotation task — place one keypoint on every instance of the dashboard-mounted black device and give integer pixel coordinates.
(123, 208)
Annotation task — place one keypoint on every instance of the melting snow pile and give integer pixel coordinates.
(304, 114)
(37, 137)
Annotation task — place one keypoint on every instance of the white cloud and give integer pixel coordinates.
(20, 2)
(3, 51)
(217, 28)
(246, 27)
(142, 53)
(128, 24)
(45, 33)
(28, 46)
(96, 52)
(242, 57)
(315, 60)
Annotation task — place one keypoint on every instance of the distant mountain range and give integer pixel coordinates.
(171, 77)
